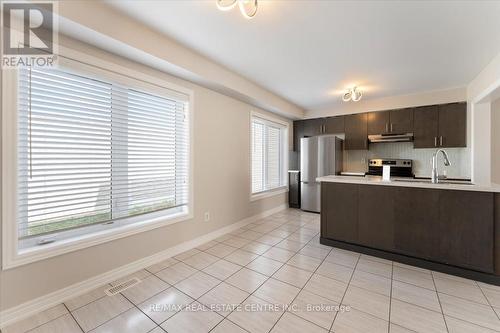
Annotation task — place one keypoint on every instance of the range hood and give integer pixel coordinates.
(401, 137)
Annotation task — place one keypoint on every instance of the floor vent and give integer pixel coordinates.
(122, 287)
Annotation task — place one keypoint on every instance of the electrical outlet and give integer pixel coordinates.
(207, 216)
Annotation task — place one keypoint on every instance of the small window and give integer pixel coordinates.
(269, 147)
(94, 154)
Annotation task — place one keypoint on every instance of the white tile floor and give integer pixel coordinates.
(266, 265)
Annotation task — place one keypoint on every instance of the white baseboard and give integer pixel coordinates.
(42, 303)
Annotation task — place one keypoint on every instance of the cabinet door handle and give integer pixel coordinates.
(441, 140)
(324, 128)
(435, 141)
(391, 127)
(386, 127)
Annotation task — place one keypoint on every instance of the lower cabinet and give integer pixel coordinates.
(417, 214)
(466, 226)
(445, 226)
(339, 211)
(376, 216)
(294, 189)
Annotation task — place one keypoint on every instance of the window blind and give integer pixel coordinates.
(92, 151)
(268, 154)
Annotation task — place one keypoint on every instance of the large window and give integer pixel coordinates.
(269, 147)
(94, 154)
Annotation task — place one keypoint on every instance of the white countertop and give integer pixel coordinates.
(373, 180)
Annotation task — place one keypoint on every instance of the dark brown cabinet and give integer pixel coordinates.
(425, 126)
(334, 125)
(452, 125)
(379, 122)
(376, 216)
(339, 211)
(432, 126)
(466, 229)
(393, 121)
(294, 189)
(416, 214)
(312, 127)
(440, 126)
(356, 131)
(401, 121)
(317, 126)
(444, 226)
(305, 128)
(298, 133)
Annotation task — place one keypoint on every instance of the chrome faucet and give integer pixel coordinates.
(435, 176)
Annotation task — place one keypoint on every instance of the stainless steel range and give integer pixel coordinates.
(399, 167)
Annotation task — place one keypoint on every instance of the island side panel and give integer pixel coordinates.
(497, 234)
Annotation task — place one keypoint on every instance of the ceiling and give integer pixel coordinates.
(309, 51)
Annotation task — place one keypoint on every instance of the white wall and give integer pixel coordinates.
(481, 142)
(495, 141)
(221, 186)
(479, 96)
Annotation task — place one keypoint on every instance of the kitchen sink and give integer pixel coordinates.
(441, 181)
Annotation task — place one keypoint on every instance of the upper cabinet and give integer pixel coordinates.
(432, 126)
(356, 131)
(334, 125)
(401, 121)
(390, 122)
(453, 125)
(312, 127)
(298, 132)
(317, 126)
(440, 126)
(379, 122)
(425, 127)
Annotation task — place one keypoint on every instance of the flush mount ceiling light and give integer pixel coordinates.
(353, 94)
(248, 8)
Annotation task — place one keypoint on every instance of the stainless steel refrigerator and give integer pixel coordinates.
(319, 156)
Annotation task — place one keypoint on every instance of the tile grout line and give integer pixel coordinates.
(487, 300)
(440, 305)
(71, 314)
(34, 328)
(439, 292)
(390, 298)
(81, 306)
(301, 289)
(345, 292)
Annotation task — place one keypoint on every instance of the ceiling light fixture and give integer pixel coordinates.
(353, 94)
(248, 8)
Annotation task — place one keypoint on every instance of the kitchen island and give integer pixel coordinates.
(452, 228)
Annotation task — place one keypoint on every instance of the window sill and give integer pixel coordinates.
(269, 193)
(33, 254)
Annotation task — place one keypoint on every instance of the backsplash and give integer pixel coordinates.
(356, 160)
